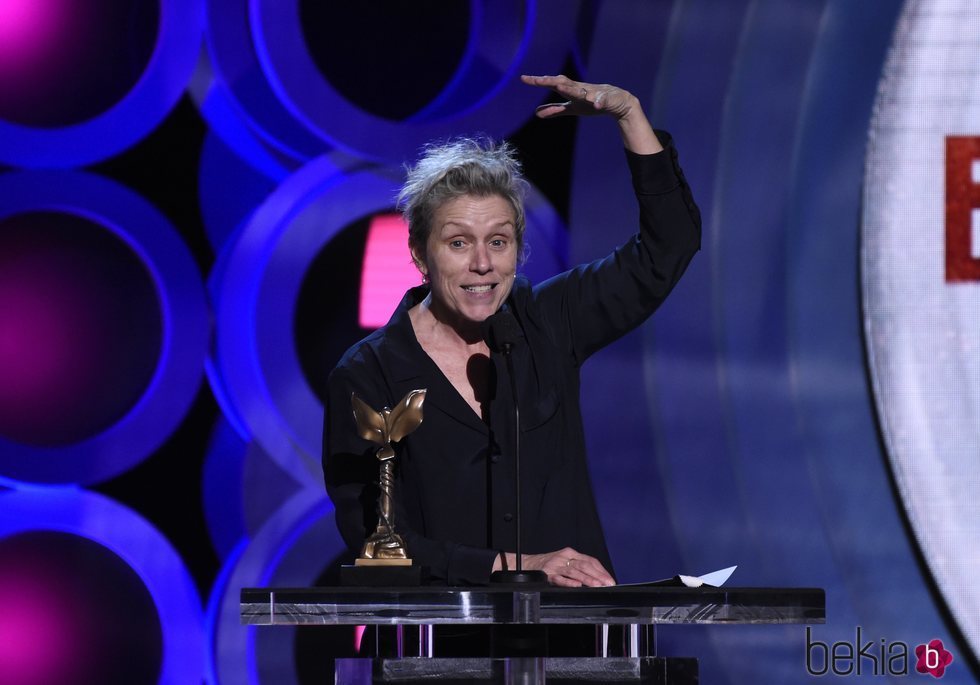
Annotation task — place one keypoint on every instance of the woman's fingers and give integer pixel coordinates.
(588, 571)
(582, 99)
(575, 92)
(546, 81)
(570, 568)
(552, 109)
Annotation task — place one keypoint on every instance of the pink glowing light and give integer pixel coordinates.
(387, 271)
(34, 353)
(47, 342)
(71, 327)
(30, 30)
(40, 638)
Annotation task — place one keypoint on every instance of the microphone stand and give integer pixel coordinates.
(517, 576)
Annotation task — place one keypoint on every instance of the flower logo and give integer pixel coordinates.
(933, 658)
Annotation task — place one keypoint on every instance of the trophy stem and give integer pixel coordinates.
(385, 545)
(387, 485)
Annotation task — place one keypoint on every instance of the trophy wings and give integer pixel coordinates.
(387, 426)
(406, 416)
(370, 423)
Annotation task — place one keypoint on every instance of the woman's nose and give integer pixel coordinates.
(481, 260)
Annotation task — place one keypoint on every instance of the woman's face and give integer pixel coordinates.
(470, 258)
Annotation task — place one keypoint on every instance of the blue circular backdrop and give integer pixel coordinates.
(185, 328)
(157, 90)
(506, 38)
(138, 544)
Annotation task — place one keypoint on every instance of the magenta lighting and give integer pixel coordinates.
(129, 358)
(63, 62)
(387, 270)
(92, 594)
(28, 30)
(76, 351)
(82, 81)
(39, 628)
(71, 607)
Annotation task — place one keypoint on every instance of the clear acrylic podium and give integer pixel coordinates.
(625, 619)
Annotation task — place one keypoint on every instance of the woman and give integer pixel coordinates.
(455, 488)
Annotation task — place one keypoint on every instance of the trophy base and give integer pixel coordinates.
(382, 562)
(375, 574)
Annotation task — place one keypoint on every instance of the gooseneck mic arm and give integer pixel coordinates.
(502, 334)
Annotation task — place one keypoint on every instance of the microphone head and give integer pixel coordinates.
(501, 331)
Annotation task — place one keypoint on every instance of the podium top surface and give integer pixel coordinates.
(546, 605)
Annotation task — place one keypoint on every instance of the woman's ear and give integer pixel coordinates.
(419, 258)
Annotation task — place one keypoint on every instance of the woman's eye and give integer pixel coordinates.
(456, 243)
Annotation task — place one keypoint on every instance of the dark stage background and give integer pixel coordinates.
(196, 221)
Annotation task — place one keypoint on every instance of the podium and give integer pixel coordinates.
(625, 620)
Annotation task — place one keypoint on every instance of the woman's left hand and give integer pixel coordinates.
(582, 99)
(569, 568)
(590, 99)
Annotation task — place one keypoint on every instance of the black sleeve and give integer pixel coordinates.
(350, 469)
(596, 303)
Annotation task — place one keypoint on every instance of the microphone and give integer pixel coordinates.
(501, 331)
(502, 334)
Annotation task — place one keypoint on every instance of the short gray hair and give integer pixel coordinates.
(462, 166)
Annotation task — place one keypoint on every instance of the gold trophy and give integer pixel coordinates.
(385, 547)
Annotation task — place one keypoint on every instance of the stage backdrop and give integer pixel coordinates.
(196, 221)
